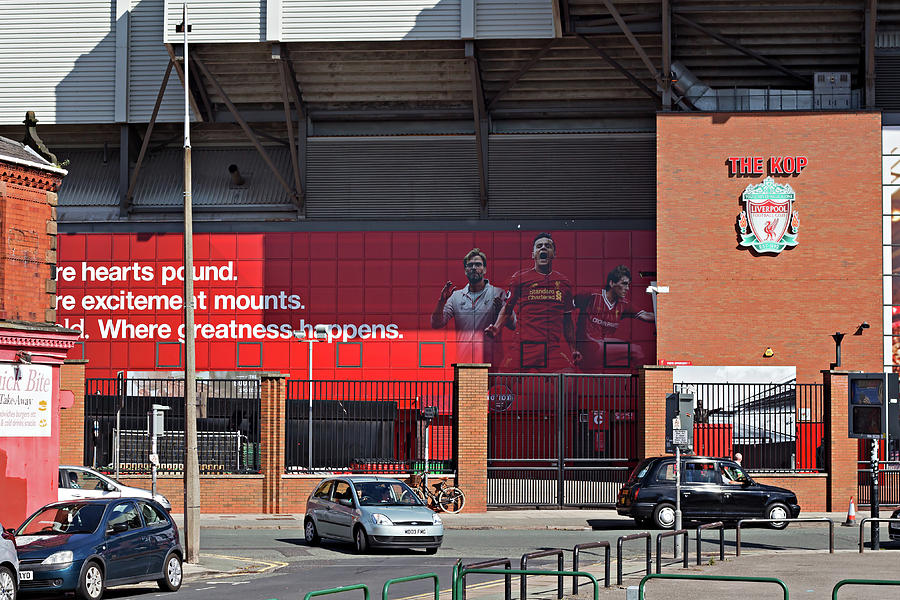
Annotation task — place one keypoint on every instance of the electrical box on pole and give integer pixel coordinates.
(679, 422)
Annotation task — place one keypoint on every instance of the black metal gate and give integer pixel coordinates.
(560, 440)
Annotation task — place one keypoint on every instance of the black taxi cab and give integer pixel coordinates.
(716, 489)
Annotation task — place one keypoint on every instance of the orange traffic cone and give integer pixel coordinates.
(851, 515)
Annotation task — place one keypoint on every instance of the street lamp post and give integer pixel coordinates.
(320, 333)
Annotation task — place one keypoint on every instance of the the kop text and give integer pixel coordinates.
(760, 165)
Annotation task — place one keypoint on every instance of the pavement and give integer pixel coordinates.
(807, 574)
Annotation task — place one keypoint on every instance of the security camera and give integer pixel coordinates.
(23, 357)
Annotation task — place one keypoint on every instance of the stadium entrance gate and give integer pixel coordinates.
(559, 439)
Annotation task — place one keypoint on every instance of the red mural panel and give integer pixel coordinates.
(401, 305)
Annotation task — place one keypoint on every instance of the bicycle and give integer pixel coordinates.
(447, 498)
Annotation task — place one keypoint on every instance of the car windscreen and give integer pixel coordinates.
(640, 470)
(385, 493)
(75, 517)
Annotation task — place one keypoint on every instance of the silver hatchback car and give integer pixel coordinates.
(9, 565)
(371, 512)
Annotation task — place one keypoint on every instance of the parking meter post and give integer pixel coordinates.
(876, 526)
(678, 548)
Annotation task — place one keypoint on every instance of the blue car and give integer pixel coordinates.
(85, 546)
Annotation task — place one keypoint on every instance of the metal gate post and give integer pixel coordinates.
(560, 439)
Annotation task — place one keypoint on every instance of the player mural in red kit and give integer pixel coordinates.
(600, 316)
(544, 300)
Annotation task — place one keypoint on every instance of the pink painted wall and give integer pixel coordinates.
(29, 469)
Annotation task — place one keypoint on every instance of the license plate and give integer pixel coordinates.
(26, 575)
(415, 531)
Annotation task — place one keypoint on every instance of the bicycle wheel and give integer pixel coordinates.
(451, 499)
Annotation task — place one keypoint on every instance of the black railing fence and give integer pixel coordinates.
(116, 425)
(775, 426)
(369, 426)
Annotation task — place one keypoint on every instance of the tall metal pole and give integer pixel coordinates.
(191, 463)
(309, 464)
(678, 548)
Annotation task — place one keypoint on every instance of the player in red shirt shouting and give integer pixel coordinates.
(545, 333)
(597, 331)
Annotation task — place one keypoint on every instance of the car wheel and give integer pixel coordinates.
(777, 510)
(664, 515)
(8, 584)
(310, 533)
(431, 550)
(172, 574)
(90, 584)
(361, 540)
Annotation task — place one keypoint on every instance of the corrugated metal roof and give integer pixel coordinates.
(91, 182)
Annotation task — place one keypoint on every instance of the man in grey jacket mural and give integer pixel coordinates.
(472, 309)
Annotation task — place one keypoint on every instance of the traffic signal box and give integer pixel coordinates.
(873, 409)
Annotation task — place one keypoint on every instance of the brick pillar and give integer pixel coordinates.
(470, 407)
(272, 393)
(840, 450)
(655, 384)
(71, 428)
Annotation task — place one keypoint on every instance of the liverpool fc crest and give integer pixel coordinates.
(769, 213)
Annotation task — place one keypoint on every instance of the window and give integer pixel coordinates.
(342, 491)
(700, 472)
(152, 516)
(86, 480)
(324, 490)
(666, 473)
(125, 513)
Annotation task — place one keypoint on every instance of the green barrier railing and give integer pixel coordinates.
(844, 582)
(437, 584)
(459, 583)
(711, 578)
(338, 590)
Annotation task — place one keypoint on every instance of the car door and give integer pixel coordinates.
(160, 536)
(85, 483)
(701, 493)
(127, 544)
(319, 508)
(343, 510)
(741, 497)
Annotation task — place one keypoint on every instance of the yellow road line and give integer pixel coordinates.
(270, 564)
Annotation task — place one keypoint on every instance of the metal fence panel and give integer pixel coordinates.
(775, 426)
(368, 426)
(117, 425)
(564, 440)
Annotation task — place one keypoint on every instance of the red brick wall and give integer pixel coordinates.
(28, 244)
(219, 494)
(470, 437)
(273, 390)
(71, 432)
(725, 305)
(809, 487)
(840, 450)
(655, 384)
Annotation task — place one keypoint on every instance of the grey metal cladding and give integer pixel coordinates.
(887, 81)
(514, 19)
(91, 182)
(58, 60)
(326, 20)
(147, 60)
(599, 176)
(217, 21)
(392, 178)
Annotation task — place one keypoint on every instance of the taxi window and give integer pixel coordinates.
(666, 473)
(700, 472)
